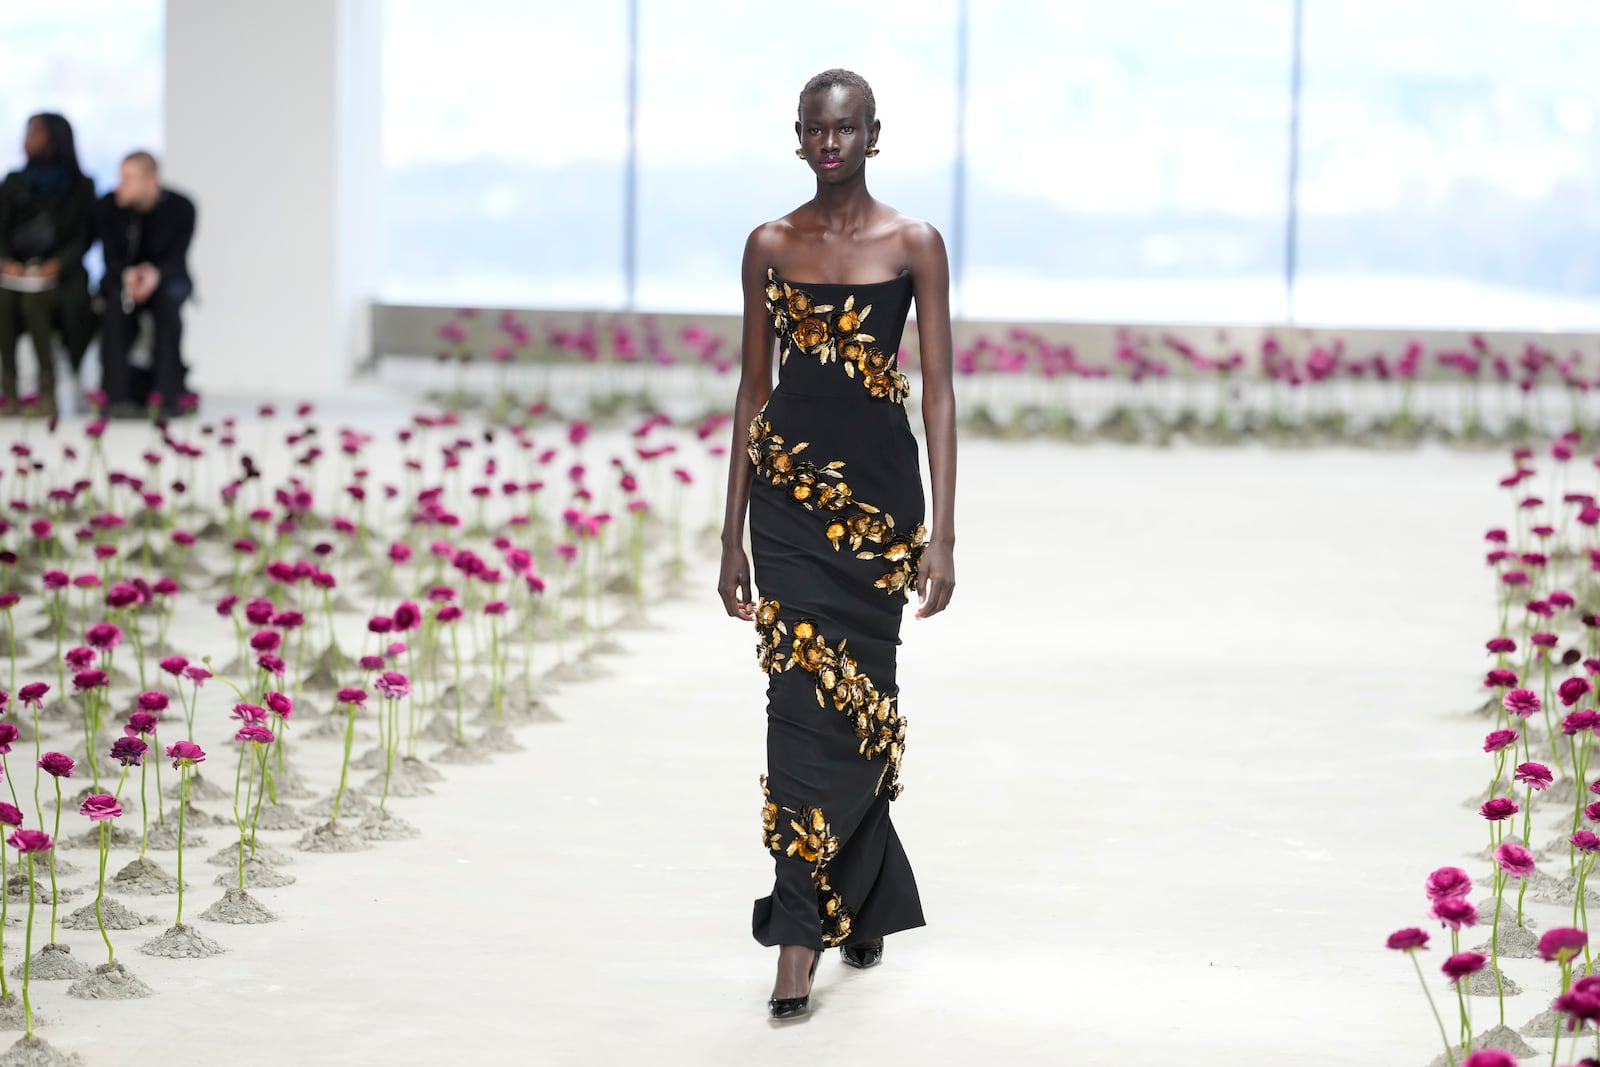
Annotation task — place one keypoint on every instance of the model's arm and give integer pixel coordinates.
(755, 385)
(930, 278)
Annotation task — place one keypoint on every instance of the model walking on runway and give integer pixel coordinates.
(830, 478)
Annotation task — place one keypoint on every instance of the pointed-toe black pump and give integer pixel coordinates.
(863, 954)
(782, 1008)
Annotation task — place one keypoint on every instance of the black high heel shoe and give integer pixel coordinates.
(862, 954)
(781, 1008)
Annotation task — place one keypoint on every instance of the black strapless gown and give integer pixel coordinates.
(836, 511)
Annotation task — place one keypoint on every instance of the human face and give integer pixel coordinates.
(138, 187)
(834, 132)
(36, 142)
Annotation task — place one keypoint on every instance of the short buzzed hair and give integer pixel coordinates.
(847, 79)
(144, 159)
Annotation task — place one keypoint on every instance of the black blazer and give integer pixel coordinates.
(164, 236)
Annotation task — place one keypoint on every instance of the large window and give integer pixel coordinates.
(1451, 163)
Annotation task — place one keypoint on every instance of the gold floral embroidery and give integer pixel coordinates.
(823, 488)
(874, 717)
(833, 335)
(814, 843)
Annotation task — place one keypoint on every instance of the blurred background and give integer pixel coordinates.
(1425, 164)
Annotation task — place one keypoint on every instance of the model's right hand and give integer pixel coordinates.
(734, 584)
(11, 268)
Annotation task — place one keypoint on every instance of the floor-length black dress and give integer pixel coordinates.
(836, 510)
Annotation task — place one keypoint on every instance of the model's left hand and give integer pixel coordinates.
(936, 579)
(50, 268)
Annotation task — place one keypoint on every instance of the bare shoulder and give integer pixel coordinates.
(919, 237)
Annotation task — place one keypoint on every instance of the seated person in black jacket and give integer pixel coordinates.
(46, 226)
(145, 230)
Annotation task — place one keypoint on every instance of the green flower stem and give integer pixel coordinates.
(5, 906)
(496, 683)
(461, 697)
(1494, 943)
(1527, 818)
(161, 812)
(1566, 982)
(392, 709)
(5, 769)
(344, 767)
(1448, 1053)
(144, 809)
(266, 781)
(1499, 769)
(111, 953)
(1521, 890)
(11, 629)
(183, 804)
(27, 949)
(1461, 999)
(55, 895)
(249, 790)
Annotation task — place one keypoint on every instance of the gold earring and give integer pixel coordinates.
(800, 153)
(872, 150)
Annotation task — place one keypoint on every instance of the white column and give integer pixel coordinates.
(272, 126)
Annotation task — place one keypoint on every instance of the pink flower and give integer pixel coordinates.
(1535, 776)
(1499, 678)
(10, 814)
(100, 806)
(448, 613)
(1545, 640)
(140, 722)
(1579, 721)
(57, 764)
(1462, 964)
(248, 713)
(373, 663)
(1585, 841)
(1592, 812)
(1562, 944)
(380, 624)
(93, 678)
(352, 695)
(31, 841)
(1408, 940)
(128, 751)
(152, 701)
(1490, 1057)
(8, 736)
(258, 612)
(266, 640)
(1455, 912)
(197, 675)
(256, 733)
(273, 665)
(393, 685)
(1579, 1006)
(281, 705)
(1522, 702)
(80, 657)
(399, 553)
(1514, 859)
(174, 665)
(407, 617)
(1572, 690)
(123, 594)
(1499, 739)
(1499, 808)
(1447, 882)
(185, 753)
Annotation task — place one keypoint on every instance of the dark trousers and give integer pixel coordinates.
(35, 315)
(125, 383)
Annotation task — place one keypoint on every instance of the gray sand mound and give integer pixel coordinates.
(1482, 984)
(145, 877)
(11, 1014)
(182, 943)
(1499, 1036)
(200, 788)
(193, 817)
(54, 963)
(238, 907)
(1544, 1025)
(117, 916)
(352, 804)
(120, 836)
(228, 855)
(499, 738)
(280, 817)
(329, 837)
(110, 981)
(399, 786)
(458, 753)
(36, 1052)
(1516, 943)
(386, 826)
(257, 875)
(165, 838)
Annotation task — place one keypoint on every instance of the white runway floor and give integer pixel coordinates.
(1180, 757)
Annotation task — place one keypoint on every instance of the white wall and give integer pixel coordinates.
(272, 125)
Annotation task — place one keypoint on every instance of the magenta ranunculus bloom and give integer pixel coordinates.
(1448, 882)
(104, 635)
(1521, 702)
(1499, 808)
(8, 736)
(408, 616)
(1462, 964)
(495, 607)
(10, 814)
(57, 764)
(258, 611)
(98, 806)
(399, 553)
(280, 705)
(266, 640)
(1579, 721)
(1502, 645)
(1490, 1057)
(185, 752)
(256, 733)
(1500, 678)
(448, 613)
(289, 620)
(197, 675)
(273, 665)
(1535, 776)
(393, 684)
(80, 657)
(249, 713)
(352, 695)
(373, 663)
(1514, 859)
(128, 751)
(1499, 739)
(174, 665)
(33, 693)
(1560, 598)
(1585, 841)
(226, 605)
(1572, 690)
(1562, 943)
(380, 624)
(1455, 912)
(92, 678)
(1544, 640)
(31, 841)
(1579, 1006)
(396, 648)
(1592, 812)
(153, 701)
(1408, 940)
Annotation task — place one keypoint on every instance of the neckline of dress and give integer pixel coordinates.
(840, 285)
